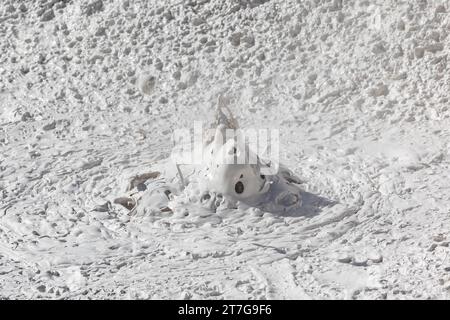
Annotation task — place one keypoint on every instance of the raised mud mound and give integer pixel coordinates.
(90, 92)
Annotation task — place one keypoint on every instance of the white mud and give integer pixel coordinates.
(90, 92)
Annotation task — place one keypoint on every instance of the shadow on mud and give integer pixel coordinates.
(312, 205)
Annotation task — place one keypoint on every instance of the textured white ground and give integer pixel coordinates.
(359, 90)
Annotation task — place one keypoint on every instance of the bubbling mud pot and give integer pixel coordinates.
(219, 178)
(91, 205)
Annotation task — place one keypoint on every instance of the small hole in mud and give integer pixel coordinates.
(241, 176)
(239, 187)
(262, 176)
(186, 214)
